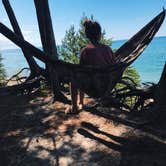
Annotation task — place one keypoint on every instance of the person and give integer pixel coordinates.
(94, 53)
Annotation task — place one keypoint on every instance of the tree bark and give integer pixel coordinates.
(35, 69)
(46, 29)
(48, 41)
(160, 94)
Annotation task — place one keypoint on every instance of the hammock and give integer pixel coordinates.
(96, 84)
(95, 81)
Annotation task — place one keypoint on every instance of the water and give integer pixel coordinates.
(14, 61)
(149, 64)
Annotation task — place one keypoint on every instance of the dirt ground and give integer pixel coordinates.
(36, 133)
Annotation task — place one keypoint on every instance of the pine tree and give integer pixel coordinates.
(74, 41)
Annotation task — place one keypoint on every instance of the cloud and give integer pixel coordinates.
(31, 36)
(27, 32)
(5, 43)
(4, 20)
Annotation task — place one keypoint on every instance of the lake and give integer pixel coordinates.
(149, 64)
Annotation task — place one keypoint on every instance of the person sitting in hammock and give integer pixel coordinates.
(93, 54)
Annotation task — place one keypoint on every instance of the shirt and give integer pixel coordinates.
(97, 55)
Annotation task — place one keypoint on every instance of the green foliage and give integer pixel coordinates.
(74, 41)
(131, 72)
(2, 71)
(70, 49)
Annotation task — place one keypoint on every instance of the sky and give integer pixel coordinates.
(121, 19)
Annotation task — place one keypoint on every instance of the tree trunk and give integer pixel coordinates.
(160, 94)
(48, 40)
(46, 29)
(35, 69)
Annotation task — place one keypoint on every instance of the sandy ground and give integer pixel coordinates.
(35, 133)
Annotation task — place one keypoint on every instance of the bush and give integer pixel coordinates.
(2, 71)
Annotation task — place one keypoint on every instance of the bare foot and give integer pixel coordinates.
(80, 106)
(71, 110)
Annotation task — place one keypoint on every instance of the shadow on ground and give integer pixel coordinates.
(34, 132)
(142, 150)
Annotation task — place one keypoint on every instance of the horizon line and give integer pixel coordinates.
(39, 46)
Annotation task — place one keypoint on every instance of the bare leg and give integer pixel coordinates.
(81, 101)
(74, 98)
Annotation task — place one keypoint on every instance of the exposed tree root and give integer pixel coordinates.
(21, 89)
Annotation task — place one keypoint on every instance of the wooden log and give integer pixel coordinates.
(34, 67)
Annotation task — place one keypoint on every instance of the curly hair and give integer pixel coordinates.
(92, 30)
